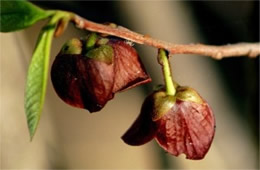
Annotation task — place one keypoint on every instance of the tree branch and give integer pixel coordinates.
(217, 52)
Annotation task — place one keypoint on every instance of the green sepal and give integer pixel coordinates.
(188, 94)
(104, 53)
(162, 104)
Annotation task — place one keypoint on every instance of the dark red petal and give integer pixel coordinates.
(143, 129)
(129, 70)
(98, 78)
(82, 82)
(187, 128)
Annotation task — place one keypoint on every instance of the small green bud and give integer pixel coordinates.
(113, 25)
(110, 24)
(91, 41)
(73, 46)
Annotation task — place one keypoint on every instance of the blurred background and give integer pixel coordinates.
(71, 138)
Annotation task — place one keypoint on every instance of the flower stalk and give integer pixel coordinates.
(163, 60)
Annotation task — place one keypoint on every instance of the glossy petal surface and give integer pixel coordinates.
(129, 70)
(82, 82)
(187, 128)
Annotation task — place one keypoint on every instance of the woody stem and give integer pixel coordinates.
(217, 52)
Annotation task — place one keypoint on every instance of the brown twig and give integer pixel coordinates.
(216, 52)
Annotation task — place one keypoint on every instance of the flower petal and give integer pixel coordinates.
(129, 70)
(98, 79)
(83, 82)
(187, 128)
(143, 129)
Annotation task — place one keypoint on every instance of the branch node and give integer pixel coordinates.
(218, 55)
(252, 53)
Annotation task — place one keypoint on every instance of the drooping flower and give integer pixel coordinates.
(88, 72)
(183, 123)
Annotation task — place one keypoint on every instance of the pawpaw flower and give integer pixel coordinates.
(183, 123)
(88, 72)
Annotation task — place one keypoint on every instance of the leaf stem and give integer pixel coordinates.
(59, 14)
(169, 83)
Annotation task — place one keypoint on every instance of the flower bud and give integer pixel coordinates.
(88, 72)
(183, 123)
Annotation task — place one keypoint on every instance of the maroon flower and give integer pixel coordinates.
(88, 72)
(183, 123)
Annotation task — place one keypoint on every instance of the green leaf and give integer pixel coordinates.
(37, 78)
(19, 14)
(38, 73)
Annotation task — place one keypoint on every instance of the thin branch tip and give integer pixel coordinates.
(252, 50)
